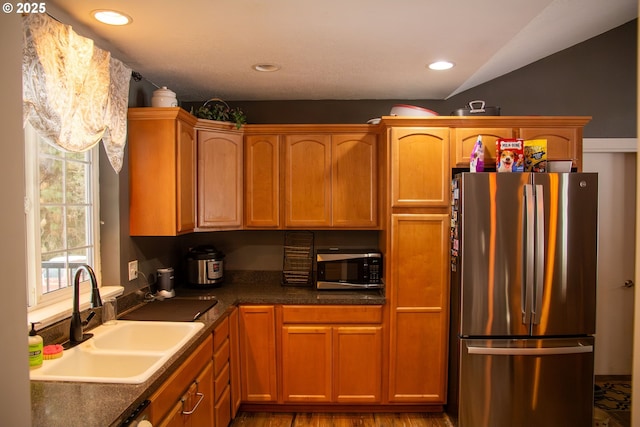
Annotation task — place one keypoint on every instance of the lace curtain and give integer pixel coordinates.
(74, 94)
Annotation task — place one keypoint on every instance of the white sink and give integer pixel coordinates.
(128, 352)
(131, 335)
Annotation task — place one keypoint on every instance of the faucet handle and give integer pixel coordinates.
(89, 317)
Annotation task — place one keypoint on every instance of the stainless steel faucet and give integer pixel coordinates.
(76, 333)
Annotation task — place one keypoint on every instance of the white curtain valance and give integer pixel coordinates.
(74, 94)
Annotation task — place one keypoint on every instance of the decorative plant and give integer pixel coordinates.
(220, 111)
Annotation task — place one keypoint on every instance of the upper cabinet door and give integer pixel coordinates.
(219, 179)
(307, 180)
(161, 145)
(463, 141)
(262, 181)
(563, 143)
(419, 167)
(354, 180)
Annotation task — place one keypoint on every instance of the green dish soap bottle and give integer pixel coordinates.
(35, 348)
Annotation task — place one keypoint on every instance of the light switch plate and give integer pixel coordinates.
(133, 270)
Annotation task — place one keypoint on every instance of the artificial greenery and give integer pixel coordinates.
(220, 111)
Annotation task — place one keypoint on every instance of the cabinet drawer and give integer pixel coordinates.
(222, 409)
(221, 382)
(220, 334)
(220, 358)
(174, 387)
(332, 314)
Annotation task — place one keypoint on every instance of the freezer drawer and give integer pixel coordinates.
(526, 383)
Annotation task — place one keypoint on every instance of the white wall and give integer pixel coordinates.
(616, 248)
(15, 403)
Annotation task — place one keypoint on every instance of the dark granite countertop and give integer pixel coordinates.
(96, 404)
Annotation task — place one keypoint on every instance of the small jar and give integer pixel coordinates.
(164, 97)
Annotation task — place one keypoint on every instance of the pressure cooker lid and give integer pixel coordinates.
(205, 252)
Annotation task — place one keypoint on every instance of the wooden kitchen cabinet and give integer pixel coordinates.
(234, 362)
(419, 167)
(220, 176)
(162, 171)
(186, 397)
(331, 180)
(221, 374)
(354, 180)
(262, 181)
(311, 176)
(332, 354)
(306, 363)
(257, 326)
(464, 139)
(307, 180)
(419, 301)
(416, 247)
(195, 407)
(563, 143)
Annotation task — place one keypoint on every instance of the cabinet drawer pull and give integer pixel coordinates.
(198, 394)
(201, 396)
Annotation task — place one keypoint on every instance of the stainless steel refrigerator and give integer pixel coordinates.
(523, 280)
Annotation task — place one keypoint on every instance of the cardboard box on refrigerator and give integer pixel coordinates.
(510, 155)
(535, 155)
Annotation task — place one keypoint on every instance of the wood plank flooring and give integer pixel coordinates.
(264, 419)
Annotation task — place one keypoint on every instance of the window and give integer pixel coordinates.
(62, 217)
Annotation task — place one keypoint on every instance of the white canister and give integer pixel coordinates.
(164, 97)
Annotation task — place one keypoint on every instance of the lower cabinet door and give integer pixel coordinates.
(258, 353)
(202, 400)
(357, 359)
(195, 408)
(174, 417)
(306, 363)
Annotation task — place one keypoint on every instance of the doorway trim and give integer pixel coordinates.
(609, 145)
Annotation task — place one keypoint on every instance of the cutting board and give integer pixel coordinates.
(171, 310)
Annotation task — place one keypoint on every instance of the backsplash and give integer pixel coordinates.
(244, 250)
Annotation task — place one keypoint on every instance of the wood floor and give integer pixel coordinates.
(264, 419)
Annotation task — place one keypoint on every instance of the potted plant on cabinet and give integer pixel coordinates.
(221, 112)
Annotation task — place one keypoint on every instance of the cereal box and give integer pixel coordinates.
(510, 155)
(535, 155)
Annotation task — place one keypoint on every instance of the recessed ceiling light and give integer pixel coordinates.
(111, 17)
(441, 65)
(266, 68)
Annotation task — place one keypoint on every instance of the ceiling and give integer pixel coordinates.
(337, 49)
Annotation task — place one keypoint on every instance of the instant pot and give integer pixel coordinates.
(205, 266)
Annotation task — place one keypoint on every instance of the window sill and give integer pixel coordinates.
(47, 316)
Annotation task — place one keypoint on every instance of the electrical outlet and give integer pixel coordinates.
(133, 270)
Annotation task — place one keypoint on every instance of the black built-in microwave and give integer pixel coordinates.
(348, 269)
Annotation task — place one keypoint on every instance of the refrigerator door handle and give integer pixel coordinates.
(539, 255)
(529, 262)
(545, 351)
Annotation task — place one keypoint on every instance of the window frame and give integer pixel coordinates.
(36, 300)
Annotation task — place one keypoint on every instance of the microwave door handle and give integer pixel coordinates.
(539, 254)
(526, 291)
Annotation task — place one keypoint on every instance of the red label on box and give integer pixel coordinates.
(510, 155)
